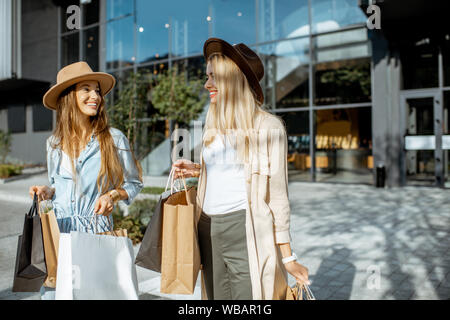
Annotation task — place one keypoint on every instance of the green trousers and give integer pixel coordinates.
(223, 249)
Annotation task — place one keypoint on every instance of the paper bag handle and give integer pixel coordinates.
(172, 184)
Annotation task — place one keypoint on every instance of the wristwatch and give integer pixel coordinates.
(114, 195)
(289, 259)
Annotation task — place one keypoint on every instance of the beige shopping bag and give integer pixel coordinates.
(180, 257)
(50, 236)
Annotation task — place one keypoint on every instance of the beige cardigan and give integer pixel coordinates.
(268, 210)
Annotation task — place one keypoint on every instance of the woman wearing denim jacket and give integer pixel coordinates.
(90, 165)
(242, 195)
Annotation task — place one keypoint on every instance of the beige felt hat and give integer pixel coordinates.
(75, 73)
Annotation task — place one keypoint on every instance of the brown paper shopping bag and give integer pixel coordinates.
(50, 236)
(180, 258)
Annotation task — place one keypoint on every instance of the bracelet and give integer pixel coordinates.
(289, 259)
(114, 195)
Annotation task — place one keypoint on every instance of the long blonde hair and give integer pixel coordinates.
(235, 109)
(68, 133)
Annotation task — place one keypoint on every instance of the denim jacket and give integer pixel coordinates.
(73, 203)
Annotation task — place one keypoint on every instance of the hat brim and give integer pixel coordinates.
(215, 45)
(105, 80)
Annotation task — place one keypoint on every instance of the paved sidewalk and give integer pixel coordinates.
(358, 242)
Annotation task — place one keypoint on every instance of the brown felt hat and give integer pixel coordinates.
(244, 57)
(75, 73)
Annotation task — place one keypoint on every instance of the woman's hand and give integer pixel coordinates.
(186, 168)
(104, 205)
(42, 192)
(298, 271)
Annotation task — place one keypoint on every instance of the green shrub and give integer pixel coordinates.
(5, 145)
(139, 214)
(152, 190)
(9, 170)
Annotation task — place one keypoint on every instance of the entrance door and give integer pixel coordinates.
(422, 127)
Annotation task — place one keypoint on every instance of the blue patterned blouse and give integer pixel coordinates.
(73, 203)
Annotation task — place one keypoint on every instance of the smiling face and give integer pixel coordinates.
(210, 84)
(88, 97)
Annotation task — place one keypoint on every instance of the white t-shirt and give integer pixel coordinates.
(225, 179)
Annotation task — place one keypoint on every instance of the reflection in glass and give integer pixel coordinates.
(233, 20)
(342, 45)
(344, 145)
(346, 81)
(328, 15)
(70, 49)
(419, 64)
(184, 25)
(90, 48)
(118, 8)
(286, 73)
(282, 19)
(119, 43)
(297, 128)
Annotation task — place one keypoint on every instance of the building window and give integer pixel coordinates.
(344, 145)
(91, 48)
(91, 12)
(330, 15)
(297, 129)
(446, 59)
(282, 19)
(70, 49)
(286, 78)
(42, 118)
(420, 64)
(17, 119)
(119, 44)
(346, 81)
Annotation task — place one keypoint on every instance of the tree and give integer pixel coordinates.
(131, 106)
(177, 98)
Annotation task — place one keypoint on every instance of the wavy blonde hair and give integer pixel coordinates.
(68, 136)
(235, 109)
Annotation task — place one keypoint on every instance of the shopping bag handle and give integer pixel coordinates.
(33, 210)
(172, 184)
(304, 288)
(95, 217)
(39, 205)
(170, 179)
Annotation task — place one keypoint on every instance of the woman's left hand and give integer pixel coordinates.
(298, 271)
(104, 205)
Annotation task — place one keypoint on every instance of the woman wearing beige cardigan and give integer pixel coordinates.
(242, 196)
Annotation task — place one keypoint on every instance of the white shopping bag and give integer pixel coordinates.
(64, 270)
(96, 267)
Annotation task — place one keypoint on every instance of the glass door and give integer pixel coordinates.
(424, 157)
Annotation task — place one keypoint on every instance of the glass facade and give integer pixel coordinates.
(316, 55)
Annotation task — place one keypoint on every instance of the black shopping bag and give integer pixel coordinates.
(149, 254)
(30, 270)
